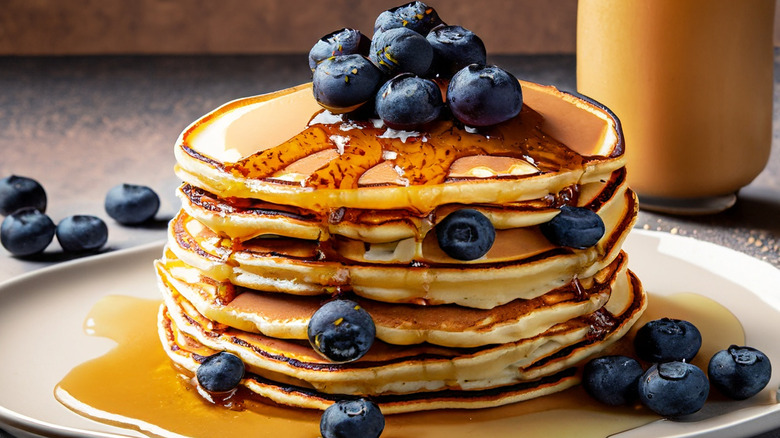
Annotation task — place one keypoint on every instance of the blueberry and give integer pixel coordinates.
(465, 234)
(344, 83)
(26, 231)
(341, 331)
(18, 192)
(401, 50)
(574, 227)
(416, 16)
(673, 389)
(408, 102)
(612, 380)
(739, 372)
(480, 95)
(221, 372)
(341, 42)
(359, 418)
(454, 48)
(82, 233)
(131, 204)
(666, 340)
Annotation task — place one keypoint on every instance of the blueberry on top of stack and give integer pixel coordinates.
(412, 55)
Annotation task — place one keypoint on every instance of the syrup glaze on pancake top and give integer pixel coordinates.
(486, 257)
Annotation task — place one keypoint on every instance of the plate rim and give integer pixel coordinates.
(767, 417)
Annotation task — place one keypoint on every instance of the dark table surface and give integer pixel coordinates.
(81, 125)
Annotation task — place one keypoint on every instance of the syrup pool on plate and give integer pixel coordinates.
(135, 386)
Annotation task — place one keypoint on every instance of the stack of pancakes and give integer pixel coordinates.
(286, 206)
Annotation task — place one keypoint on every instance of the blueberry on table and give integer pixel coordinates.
(416, 16)
(739, 372)
(221, 372)
(401, 50)
(454, 48)
(612, 380)
(465, 234)
(667, 339)
(18, 192)
(341, 42)
(341, 331)
(480, 95)
(359, 418)
(574, 227)
(82, 233)
(26, 231)
(408, 102)
(673, 389)
(344, 83)
(131, 204)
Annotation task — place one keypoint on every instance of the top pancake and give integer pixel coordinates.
(269, 147)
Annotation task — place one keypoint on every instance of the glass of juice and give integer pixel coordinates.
(691, 82)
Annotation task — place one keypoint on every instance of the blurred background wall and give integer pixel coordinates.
(78, 27)
(84, 27)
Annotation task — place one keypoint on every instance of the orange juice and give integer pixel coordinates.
(691, 81)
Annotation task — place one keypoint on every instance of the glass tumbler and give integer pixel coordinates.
(691, 82)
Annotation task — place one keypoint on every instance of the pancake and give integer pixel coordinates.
(280, 316)
(363, 235)
(286, 206)
(188, 354)
(395, 369)
(245, 219)
(235, 152)
(524, 266)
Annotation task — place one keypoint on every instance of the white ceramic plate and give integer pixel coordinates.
(42, 313)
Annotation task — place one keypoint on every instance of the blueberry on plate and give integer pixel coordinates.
(359, 418)
(465, 234)
(416, 16)
(666, 340)
(344, 83)
(739, 372)
(454, 48)
(408, 102)
(82, 233)
(26, 231)
(341, 331)
(221, 372)
(401, 50)
(574, 227)
(131, 204)
(341, 42)
(18, 192)
(480, 95)
(612, 380)
(673, 389)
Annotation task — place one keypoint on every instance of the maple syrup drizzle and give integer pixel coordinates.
(423, 159)
(135, 386)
